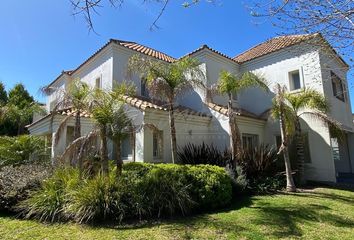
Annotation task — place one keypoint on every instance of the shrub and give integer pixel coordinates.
(96, 199)
(17, 181)
(210, 186)
(48, 203)
(203, 154)
(166, 190)
(21, 149)
(259, 165)
(142, 191)
(259, 161)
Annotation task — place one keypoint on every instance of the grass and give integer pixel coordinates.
(321, 213)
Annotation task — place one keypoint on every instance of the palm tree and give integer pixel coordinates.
(107, 110)
(281, 111)
(309, 103)
(231, 84)
(168, 81)
(76, 97)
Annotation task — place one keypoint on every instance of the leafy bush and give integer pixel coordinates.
(210, 186)
(203, 154)
(17, 181)
(21, 149)
(142, 191)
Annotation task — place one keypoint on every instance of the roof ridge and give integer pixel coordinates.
(301, 37)
(205, 46)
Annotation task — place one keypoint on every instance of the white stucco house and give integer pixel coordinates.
(289, 60)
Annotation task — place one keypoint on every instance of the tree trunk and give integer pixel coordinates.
(290, 186)
(119, 161)
(77, 129)
(103, 150)
(77, 134)
(173, 132)
(132, 142)
(235, 143)
(300, 152)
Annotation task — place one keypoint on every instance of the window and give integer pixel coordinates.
(335, 149)
(249, 141)
(69, 135)
(294, 80)
(143, 88)
(157, 143)
(337, 86)
(126, 151)
(98, 83)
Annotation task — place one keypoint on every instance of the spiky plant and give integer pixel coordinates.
(168, 81)
(230, 84)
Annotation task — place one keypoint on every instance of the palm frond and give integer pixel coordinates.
(335, 127)
(308, 99)
(78, 146)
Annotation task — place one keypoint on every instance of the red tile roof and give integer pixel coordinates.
(145, 50)
(143, 104)
(209, 48)
(272, 45)
(239, 111)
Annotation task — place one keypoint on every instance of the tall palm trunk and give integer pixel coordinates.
(172, 132)
(103, 150)
(119, 161)
(77, 134)
(77, 129)
(300, 151)
(235, 145)
(290, 186)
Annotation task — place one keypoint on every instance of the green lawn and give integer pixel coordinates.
(318, 214)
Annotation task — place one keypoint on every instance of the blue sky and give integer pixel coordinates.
(40, 38)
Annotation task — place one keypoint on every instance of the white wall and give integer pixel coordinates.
(100, 66)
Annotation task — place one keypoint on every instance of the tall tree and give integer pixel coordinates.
(19, 96)
(3, 95)
(168, 81)
(19, 110)
(232, 84)
(282, 112)
(309, 103)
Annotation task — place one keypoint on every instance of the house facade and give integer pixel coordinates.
(293, 61)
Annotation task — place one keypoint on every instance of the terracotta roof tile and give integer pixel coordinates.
(145, 50)
(272, 45)
(239, 111)
(143, 104)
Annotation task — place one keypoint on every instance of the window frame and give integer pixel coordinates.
(157, 147)
(291, 80)
(255, 140)
(335, 81)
